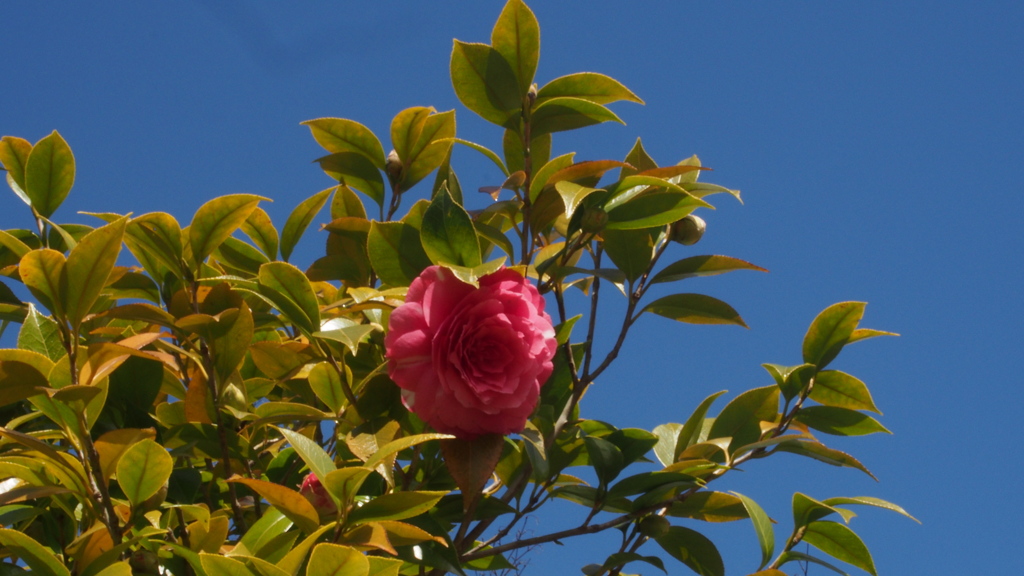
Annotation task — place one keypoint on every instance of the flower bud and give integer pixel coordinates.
(688, 231)
(594, 220)
(317, 495)
(531, 94)
(144, 561)
(393, 165)
(654, 526)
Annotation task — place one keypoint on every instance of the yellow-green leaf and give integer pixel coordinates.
(336, 560)
(591, 86)
(216, 220)
(49, 173)
(217, 565)
(341, 135)
(112, 445)
(143, 469)
(695, 309)
(830, 331)
(485, 83)
(300, 219)
(32, 553)
(290, 291)
(14, 153)
(260, 229)
(516, 36)
(395, 506)
(88, 267)
(42, 271)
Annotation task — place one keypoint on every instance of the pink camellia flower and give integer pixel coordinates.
(317, 495)
(469, 360)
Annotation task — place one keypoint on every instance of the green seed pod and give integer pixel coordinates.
(688, 231)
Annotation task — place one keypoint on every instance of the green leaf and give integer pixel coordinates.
(547, 171)
(41, 334)
(300, 219)
(823, 453)
(668, 439)
(693, 549)
(296, 557)
(12, 243)
(763, 528)
(695, 309)
(14, 154)
(350, 336)
(430, 142)
(561, 114)
(395, 506)
(319, 462)
(516, 36)
(49, 173)
(622, 558)
(830, 331)
(396, 446)
(485, 83)
(229, 348)
(866, 333)
(289, 502)
(156, 235)
(43, 273)
(217, 565)
(573, 194)
(807, 510)
(341, 135)
(292, 294)
(651, 209)
(605, 457)
(696, 266)
(709, 506)
(630, 250)
(486, 152)
(326, 384)
(690, 434)
(347, 204)
(448, 235)
(88, 267)
(396, 252)
(838, 541)
(357, 171)
(32, 553)
(344, 483)
(868, 501)
(839, 389)
(638, 161)
(590, 86)
(260, 229)
(791, 380)
(143, 469)
(741, 419)
(216, 220)
(335, 560)
(839, 421)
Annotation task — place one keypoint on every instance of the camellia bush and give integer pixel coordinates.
(405, 403)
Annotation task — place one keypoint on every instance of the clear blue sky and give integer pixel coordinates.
(878, 146)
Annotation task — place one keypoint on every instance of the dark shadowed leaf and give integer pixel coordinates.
(695, 266)
(763, 528)
(19, 381)
(823, 453)
(396, 252)
(447, 234)
(292, 294)
(710, 506)
(630, 250)
(356, 171)
(695, 309)
(693, 549)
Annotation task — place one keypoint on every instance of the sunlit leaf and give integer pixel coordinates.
(485, 83)
(868, 501)
(395, 506)
(319, 462)
(516, 36)
(396, 252)
(49, 173)
(763, 528)
(88, 266)
(356, 171)
(42, 272)
(260, 229)
(299, 220)
(32, 553)
(839, 389)
(564, 113)
(696, 266)
(590, 86)
(41, 334)
(143, 469)
(839, 421)
(216, 220)
(292, 504)
(341, 135)
(292, 294)
(741, 418)
(336, 560)
(14, 154)
(447, 235)
(830, 331)
(112, 445)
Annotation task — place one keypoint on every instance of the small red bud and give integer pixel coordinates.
(317, 495)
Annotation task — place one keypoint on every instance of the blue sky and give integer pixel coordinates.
(878, 146)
